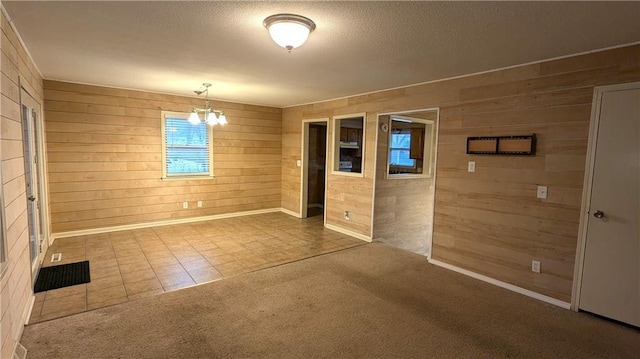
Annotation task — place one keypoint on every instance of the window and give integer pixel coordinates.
(187, 149)
(400, 150)
(411, 138)
(349, 139)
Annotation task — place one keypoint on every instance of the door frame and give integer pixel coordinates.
(304, 167)
(42, 176)
(594, 123)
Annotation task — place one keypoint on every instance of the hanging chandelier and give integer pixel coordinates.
(210, 116)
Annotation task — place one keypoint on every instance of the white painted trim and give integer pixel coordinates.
(501, 284)
(304, 166)
(335, 145)
(435, 166)
(375, 174)
(290, 212)
(468, 75)
(29, 309)
(169, 222)
(598, 92)
(348, 232)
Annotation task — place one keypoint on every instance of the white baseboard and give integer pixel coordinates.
(348, 232)
(290, 212)
(168, 222)
(508, 286)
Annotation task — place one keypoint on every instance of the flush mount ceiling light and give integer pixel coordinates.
(289, 30)
(211, 116)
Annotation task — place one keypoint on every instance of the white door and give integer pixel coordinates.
(611, 268)
(32, 140)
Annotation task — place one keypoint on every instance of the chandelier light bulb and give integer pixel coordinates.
(211, 119)
(194, 119)
(222, 119)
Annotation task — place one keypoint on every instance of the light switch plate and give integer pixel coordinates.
(298, 163)
(542, 192)
(471, 166)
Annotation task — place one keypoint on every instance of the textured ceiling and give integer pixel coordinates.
(358, 47)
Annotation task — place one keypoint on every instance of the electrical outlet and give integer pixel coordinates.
(535, 266)
(298, 163)
(346, 215)
(471, 166)
(542, 192)
(199, 204)
(185, 205)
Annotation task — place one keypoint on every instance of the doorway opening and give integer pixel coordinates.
(405, 179)
(314, 168)
(32, 141)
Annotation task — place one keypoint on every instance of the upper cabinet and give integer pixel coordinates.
(348, 144)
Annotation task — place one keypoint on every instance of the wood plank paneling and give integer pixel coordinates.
(15, 283)
(490, 221)
(105, 163)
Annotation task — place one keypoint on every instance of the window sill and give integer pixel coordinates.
(407, 176)
(186, 178)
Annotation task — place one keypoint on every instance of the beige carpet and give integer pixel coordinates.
(372, 301)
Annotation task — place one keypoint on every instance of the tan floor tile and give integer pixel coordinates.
(35, 312)
(97, 273)
(204, 275)
(137, 276)
(79, 289)
(142, 286)
(165, 261)
(98, 256)
(102, 263)
(154, 249)
(67, 305)
(104, 282)
(133, 267)
(128, 251)
(107, 303)
(196, 264)
(146, 294)
(106, 295)
(230, 268)
(175, 279)
(221, 259)
(139, 258)
(172, 269)
(171, 288)
(188, 256)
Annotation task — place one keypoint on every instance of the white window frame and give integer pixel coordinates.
(335, 125)
(167, 177)
(428, 150)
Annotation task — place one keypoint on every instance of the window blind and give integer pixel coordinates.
(187, 148)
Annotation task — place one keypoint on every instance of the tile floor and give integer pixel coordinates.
(128, 265)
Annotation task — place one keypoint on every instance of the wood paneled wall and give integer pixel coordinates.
(15, 284)
(490, 221)
(403, 208)
(105, 163)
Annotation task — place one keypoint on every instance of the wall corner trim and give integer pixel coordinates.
(348, 232)
(504, 285)
(290, 212)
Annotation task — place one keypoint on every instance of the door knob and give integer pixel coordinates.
(598, 214)
(31, 198)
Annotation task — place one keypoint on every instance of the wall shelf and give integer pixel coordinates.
(502, 145)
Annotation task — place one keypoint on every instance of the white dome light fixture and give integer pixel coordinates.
(288, 30)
